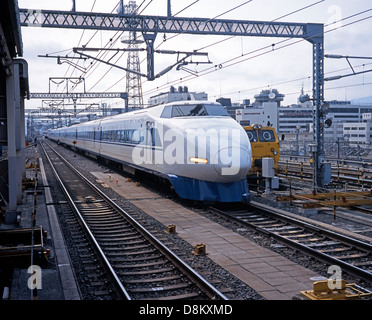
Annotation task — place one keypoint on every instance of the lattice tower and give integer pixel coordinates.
(133, 81)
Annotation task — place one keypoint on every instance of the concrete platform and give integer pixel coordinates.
(57, 279)
(271, 275)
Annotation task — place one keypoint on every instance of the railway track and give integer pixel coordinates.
(351, 255)
(138, 264)
(340, 174)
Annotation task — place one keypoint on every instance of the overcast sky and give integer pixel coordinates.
(248, 64)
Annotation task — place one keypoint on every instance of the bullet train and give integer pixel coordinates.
(195, 145)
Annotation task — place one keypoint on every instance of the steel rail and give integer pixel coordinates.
(339, 174)
(92, 238)
(366, 275)
(212, 292)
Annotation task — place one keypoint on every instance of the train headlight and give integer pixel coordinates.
(275, 152)
(198, 160)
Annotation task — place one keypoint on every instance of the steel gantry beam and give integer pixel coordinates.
(79, 95)
(150, 26)
(156, 24)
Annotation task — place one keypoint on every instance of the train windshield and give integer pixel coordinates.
(197, 110)
(252, 135)
(266, 135)
(263, 135)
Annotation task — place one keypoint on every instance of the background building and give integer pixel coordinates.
(173, 94)
(359, 132)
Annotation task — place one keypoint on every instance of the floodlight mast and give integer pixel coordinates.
(150, 26)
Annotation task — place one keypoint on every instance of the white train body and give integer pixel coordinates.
(203, 152)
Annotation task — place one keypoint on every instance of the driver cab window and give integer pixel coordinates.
(252, 136)
(266, 135)
(167, 112)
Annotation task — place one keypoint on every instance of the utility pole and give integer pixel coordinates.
(169, 9)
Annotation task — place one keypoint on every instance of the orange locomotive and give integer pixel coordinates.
(264, 143)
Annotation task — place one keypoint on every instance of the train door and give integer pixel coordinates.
(150, 142)
(100, 140)
(94, 138)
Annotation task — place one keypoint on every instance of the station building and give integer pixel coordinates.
(298, 118)
(180, 94)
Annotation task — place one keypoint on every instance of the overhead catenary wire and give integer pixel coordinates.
(223, 40)
(290, 81)
(81, 37)
(143, 60)
(269, 47)
(112, 44)
(187, 7)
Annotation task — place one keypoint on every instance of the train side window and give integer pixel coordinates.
(252, 135)
(136, 136)
(167, 112)
(130, 135)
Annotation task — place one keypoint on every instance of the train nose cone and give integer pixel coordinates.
(232, 164)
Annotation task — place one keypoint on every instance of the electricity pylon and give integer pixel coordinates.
(133, 79)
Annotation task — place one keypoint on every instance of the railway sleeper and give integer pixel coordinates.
(96, 213)
(352, 256)
(115, 234)
(294, 233)
(274, 224)
(99, 293)
(141, 265)
(95, 207)
(336, 250)
(362, 263)
(165, 278)
(182, 296)
(324, 244)
(157, 289)
(135, 253)
(299, 236)
(108, 229)
(243, 217)
(104, 219)
(117, 237)
(147, 245)
(144, 272)
(144, 258)
(305, 241)
(278, 227)
(109, 224)
(124, 238)
(264, 222)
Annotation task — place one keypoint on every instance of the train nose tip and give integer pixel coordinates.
(232, 162)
